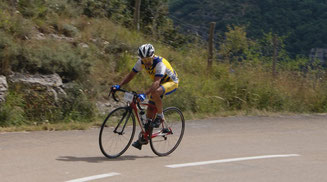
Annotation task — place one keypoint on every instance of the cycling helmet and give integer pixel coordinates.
(146, 50)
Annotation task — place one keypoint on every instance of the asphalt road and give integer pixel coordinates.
(244, 149)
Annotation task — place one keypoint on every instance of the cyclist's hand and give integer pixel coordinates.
(141, 97)
(115, 87)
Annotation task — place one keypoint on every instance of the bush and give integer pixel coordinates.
(47, 57)
(16, 25)
(7, 49)
(77, 106)
(32, 8)
(115, 9)
(70, 30)
(12, 111)
(21, 28)
(35, 103)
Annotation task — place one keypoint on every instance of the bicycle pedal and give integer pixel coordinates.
(137, 145)
(142, 140)
(165, 130)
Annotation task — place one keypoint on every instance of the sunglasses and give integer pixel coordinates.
(147, 59)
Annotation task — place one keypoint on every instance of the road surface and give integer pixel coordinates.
(244, 149)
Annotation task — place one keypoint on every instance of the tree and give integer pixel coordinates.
(235, 44)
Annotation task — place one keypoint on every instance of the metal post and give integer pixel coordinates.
(137, 14)
(211, 43)
(275, 42)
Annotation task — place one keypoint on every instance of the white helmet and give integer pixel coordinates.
(146, 50)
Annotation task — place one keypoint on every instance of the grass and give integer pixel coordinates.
(238, 88)
(49, 127)
(98, 122)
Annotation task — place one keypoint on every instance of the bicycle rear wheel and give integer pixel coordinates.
(165, 139)
(117, 132)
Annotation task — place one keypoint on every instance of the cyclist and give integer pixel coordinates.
(165, 82)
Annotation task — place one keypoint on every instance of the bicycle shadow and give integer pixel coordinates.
(101, 159)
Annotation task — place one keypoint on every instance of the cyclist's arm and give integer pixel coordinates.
(154, 86)
(128, 78)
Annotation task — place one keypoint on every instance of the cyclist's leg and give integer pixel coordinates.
(151, 110)
(164, 89)
(169, 87)
(156, 98)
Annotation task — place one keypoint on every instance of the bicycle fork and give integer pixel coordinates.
(128, 114)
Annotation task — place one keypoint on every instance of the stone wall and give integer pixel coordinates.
(3, 88)
(51, 84)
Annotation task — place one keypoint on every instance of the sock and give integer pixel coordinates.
(160, 115)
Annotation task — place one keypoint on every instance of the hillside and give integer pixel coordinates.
(302, 23)
(91, 47)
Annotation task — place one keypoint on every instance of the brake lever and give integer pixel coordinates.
(114, 96)
(138, 102)
(112, 91)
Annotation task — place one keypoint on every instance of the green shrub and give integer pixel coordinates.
(35, 103)
(12, 111)
(22, 28)
(48, 57)
(6, 45)
(184, 97)
(269, 99)
(16, 25)
(115, 9)
(32, 8)
(70, 30)
(39, 103)
(77, 106)
(64, 8)
(320, 105)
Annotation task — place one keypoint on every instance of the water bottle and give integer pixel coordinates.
(143, 117)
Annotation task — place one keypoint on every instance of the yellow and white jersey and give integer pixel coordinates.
(160, 68)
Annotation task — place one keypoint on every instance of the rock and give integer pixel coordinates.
(52, 84)
(3, 88)
(83, 45)
(58, 37)
(39, 36)
(47, 80)
(105, 106)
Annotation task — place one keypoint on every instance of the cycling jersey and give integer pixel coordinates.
(160, 68)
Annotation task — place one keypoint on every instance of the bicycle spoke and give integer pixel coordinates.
(164, 143)
(113, 144)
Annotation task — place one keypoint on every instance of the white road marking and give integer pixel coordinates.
(90, 178)
(230, 160)
(16, 132)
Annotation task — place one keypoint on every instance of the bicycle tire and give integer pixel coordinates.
(113, 144)
(164, 142)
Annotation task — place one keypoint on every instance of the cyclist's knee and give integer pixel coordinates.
(157, 93)
(150, 108)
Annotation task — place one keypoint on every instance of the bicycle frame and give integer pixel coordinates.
(119, 119)
(145, 133)
(134, 105)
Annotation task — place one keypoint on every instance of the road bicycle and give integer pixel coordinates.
(118, 128)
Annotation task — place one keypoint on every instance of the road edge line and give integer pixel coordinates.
(94, 177)
(230, 160)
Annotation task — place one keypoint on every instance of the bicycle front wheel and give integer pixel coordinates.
(117, 132)
(165, 139)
